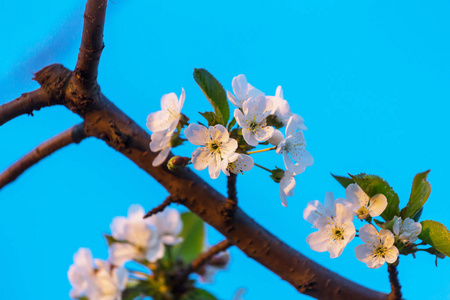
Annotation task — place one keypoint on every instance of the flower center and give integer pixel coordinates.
(380, 251)
(337, 234)
(215, 147)
(254, 126)
(362, 212)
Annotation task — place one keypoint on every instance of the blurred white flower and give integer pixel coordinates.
(294, 144)
(378, 248)
(168, 225)
(243, 90)
(218, 146)
(282, 110)
(102, 283)
(253, 120)
(362, 204)
(139, 240)
(168, 117)
(407, 230)
(218, 262)
(238, 163)
(335, 232)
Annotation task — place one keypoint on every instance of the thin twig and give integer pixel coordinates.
(160, 207)
(72, 135)
(396, 293)
(86, 69)
(25, 104)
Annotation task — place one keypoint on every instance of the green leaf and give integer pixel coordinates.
(372, 185)
(193, 234)
(420, 192)
(417, 215)
(210, 117)
(231, 124)
(436, 235)
(111, 240)
(344, 181)
(215, 94)
(198, 294)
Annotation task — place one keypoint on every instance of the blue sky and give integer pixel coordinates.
(370, 78)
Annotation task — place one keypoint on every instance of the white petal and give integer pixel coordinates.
(368, 234)
(169, 102)
(161, 157)
(391, 255)
(120, 253)
(336, 249)
(249, 137)
(344, 214)
(397, 225)
(279, 92)
(219, 133)
(265, 134)
(240, 119)
(201, 158)
(215, 167)
(121, 277)
(317, 241)
(83, 259)
(197, 134)
(253, 92)
(155, 252)
(160, 140)
(228, 148)
(292, 125)
(240, 86)
(236, 102)
(136, 212)
(363, 253)
(314, 209)
(276, 138)
(375, 262)
(158, 121)
(181, 102)
(355, 194)
(386, 237)
(378, 204)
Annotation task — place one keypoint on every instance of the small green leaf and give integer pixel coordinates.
(417, 215)
(193, 233)
(344, 181)
(111, 240)
(198, 294)
(215, 94)
(231, 124)
(420, 192)
(436, 235)
(210, 117)
(372, 185)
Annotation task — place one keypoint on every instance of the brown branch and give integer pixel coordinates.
(25, 104)
(72, 135)
(86, 69)
(396, 293)
(160, 207)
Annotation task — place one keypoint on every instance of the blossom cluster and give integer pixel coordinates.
(226, 148)
(133, 239)
(334, 221)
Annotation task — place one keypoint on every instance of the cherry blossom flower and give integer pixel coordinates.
(243, 91)
(168, 117)
(335, 232)
(168, 225)
(363, 205)
(138, 239)
(253, 120)
(218, 146)
(314, 209)
(294, 145)
(378, 248)
(102, 283)
(282, 111)
(238, 163)
(287, 185)
(407, 230)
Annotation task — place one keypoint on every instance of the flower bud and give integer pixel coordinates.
(277, 174)
(177, 163)
(276, 138)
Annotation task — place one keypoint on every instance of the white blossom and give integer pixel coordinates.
(314, 209)
(169, 115)
(218, 146)
(363, 205)
(253, 120)
(101, 283)
(294, 145)
(238, 163)
(139, 240)
(335, 232)
(243, 91)
(282, 110)
(378, 248)
(168, 225)
(407, 230)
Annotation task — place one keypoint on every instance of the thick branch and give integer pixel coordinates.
(396, 293)
(86, 69)
(25, 104)
(71, 135)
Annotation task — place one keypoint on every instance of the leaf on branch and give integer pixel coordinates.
(420, 192)
(111, 240)
(215, 94)
(344, 181)
(436, 235)
(198, 294)
(193, 235)
(210, 118)
(372, 185)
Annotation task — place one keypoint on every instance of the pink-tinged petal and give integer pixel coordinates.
(120, 275)
(291, 125)
(316, 241)
(336, 249)
(279, 92)
(118, 228)
(136, 212)
(355, 194)
(160, 140)
(161, 157)
(240, 119)
(201, 158)
(181, 102)
(378, 204)
(236, 102)
(391, 255)
(344, 214)
(214, 167)
(169, 102)
(219, 133)
(158, 121)
(368, 234)
(228, 148)
(397, 225)
(249, 137)
(265, 134)
(314, 210)
(83, 259)
(120, 253)
(240, 86)
(276, 138)
(363, 253)
(386, 237)
(197, 134)
(375, 262)
(155, 252)
(349, 232)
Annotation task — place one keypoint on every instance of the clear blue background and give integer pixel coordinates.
(371, 79)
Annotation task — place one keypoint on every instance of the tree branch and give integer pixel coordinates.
(25, 104)
(160, 207)
(396, 293)
(86, 69)
(72, 135)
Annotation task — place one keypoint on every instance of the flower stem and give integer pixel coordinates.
(396, 293)
(264, 168)
(262, 150)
